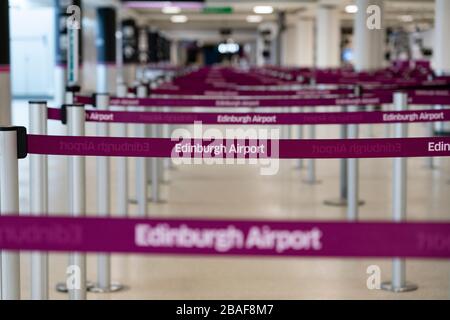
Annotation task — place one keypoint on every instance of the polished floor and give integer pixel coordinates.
(239, 192)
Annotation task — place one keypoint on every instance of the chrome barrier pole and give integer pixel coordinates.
(38, 199)
(9, 199)
(311, 174)
(399, 201)
(141, 163)
(352, 175)
(300, 164)
(122, 163)
(77, 200)
(167, 163)
(343, 188)
(155, 170)
(104, 283)
(430, 160)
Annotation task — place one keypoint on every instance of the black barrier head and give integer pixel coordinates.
(22, 140)
(37, 102)
(358, 90)
(74, 89)
(64, 110)
(94, 98)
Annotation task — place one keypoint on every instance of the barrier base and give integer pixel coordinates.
(159, 201)
(62, 287)
(311, 182)
(340, 202)
(134, 201)
(387, 286)
(114, 287)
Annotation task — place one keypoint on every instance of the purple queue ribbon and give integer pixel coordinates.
(297, 118)
(229, 149)
(226, 237)
(253, 103)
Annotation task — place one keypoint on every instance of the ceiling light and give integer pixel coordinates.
(263, 9)
(179, 19)
(407, 18)
(254, 19)
(351, 8)
(171, 10)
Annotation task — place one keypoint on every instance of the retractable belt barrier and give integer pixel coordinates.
(415, 98)
(222, 148)
(294, 118)
(227, 237)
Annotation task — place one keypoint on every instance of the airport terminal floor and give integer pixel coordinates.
(224, 150)
(240, 192)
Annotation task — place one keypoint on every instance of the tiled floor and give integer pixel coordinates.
(240, 192)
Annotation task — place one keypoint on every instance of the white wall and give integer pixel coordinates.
(32, 51)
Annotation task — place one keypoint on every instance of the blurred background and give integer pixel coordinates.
(297, 33)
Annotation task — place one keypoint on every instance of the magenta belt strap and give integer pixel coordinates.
(226, 237)
(282, 149)
(300, 118)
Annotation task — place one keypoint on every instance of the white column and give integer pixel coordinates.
(328, 36)
(304, 42)
(266, 41)
(442, 37)
(106, 78)
(174, 54)
(298, 42)
(442, 46)
(369, 40)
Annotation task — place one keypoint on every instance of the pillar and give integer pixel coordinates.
(328, 36)
(5, 78)
(174, 52)
(369, 40)
(298, 42)
(442, 48)
(130, 53)
(106, 50)
(266, 50)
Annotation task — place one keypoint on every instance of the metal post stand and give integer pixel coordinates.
(38, 199)
(77, 202)
(9, 200)
(311, 174)
(104, 284)
(399, 197)
(141, 163)
(343, 182)
(300, 164)
(353, 176)
(122, 164)
(430, 163)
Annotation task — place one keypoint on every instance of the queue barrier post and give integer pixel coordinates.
(156, 170)
(353, 175)
(311, 173)
(11, 143)
(166, 163)
(300, 164)
(38, 199)
(430, 163)
(77, 197)
(104, 284)
(399, 201)
(141, 163)
(122, 163)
